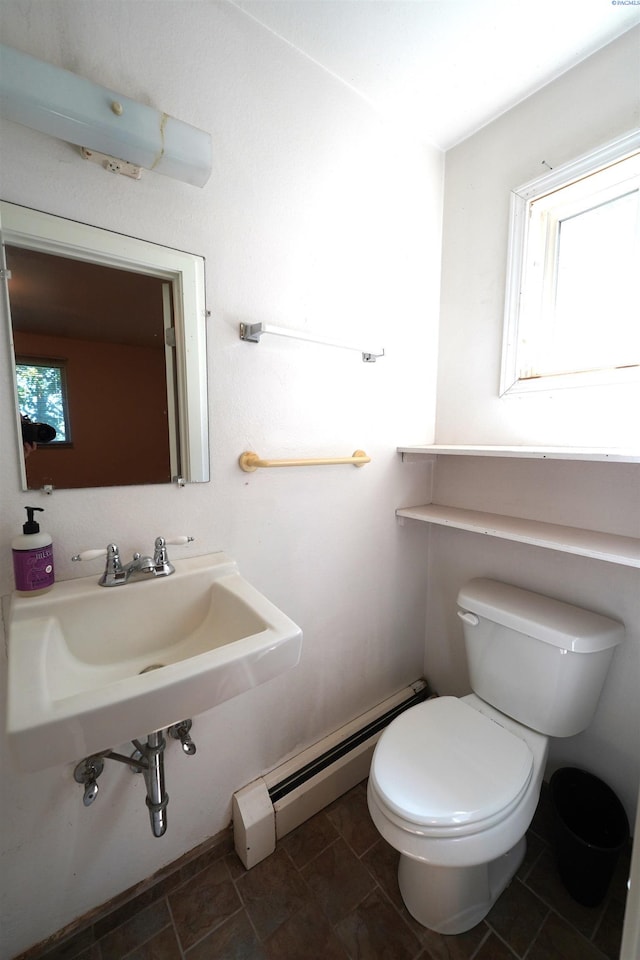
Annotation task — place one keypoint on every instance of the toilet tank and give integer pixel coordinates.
(541, 661)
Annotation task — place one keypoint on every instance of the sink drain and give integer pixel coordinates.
(152, 666)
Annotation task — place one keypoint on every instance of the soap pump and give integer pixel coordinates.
(32, 557)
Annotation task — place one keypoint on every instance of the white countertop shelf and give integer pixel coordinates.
(610, 454)
(585, 543)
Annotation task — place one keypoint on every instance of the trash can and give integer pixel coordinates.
(590, 831)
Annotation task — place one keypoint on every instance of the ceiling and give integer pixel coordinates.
(445, 68)
(61, 297)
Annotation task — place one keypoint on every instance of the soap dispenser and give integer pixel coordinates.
(32, 558)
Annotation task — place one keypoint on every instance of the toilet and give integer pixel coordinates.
(454, 782)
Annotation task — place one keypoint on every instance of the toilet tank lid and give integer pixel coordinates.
(552, 621)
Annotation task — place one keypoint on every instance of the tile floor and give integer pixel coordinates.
(329, 892)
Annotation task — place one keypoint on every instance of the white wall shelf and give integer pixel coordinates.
(610, 454)
(584, 543)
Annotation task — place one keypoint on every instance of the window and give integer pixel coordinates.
(42, 394)
(572, 313)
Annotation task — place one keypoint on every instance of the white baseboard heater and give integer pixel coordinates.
(273, 805)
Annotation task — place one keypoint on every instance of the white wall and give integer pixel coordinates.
(586, 107)
(316, 216)
(589, 105)
(601, 496)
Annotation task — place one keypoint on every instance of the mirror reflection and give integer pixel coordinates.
(90, 353)
(109, 357)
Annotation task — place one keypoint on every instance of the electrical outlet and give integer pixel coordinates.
(112, 164)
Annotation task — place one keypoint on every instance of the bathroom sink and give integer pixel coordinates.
(92, 667)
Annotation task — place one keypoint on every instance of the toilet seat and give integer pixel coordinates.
(443, 768)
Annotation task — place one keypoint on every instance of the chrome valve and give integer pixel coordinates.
(87, 772)
(180, 731)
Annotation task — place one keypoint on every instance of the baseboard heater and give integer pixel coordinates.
(275, 804)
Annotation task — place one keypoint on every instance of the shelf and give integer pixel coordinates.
(584, 543)
(610, 454)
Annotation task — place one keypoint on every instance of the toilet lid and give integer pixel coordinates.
(442, 763)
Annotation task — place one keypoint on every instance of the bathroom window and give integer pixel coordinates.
(42, 394)
(573, 283)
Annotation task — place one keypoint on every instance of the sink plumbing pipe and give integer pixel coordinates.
(147, 759)
(153, 769)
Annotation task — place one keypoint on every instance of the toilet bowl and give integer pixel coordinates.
(458, 815)
(454, 782)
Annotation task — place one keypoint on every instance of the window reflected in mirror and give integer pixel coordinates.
(43, 400)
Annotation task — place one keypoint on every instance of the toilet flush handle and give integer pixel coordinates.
(469, 618)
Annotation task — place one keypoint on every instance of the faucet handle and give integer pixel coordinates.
(160, 551)
(110, 551)
(160, 557)
(89, 555)
(113, 571)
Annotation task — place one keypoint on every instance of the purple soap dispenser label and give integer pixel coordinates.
(33, 569)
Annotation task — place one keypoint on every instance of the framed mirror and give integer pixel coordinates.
(109, 351)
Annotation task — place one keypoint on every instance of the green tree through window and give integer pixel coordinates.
(42, 394)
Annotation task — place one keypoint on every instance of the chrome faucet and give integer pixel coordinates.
(117, 573)
(140, 568)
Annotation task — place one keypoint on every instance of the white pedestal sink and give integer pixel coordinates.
(90, 668)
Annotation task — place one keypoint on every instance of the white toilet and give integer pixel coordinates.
(454, 783)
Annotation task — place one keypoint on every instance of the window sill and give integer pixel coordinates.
(582, 380)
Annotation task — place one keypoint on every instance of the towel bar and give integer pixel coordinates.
(251, 332)
(250, 461)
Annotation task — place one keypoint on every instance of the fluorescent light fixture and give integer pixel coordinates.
(64, 105)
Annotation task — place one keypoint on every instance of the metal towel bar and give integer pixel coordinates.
(251, 332)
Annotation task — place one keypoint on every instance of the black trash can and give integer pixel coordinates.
(590, 831)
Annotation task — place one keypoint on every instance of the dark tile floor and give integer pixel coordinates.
(329, 892)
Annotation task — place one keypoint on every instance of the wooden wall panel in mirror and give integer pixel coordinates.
(109, 350)
(106, 326)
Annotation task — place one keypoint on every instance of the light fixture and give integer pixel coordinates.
(72, 108)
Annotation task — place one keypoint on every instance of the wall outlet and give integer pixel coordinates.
(112, 164)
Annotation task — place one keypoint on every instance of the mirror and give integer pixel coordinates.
(109, 342)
